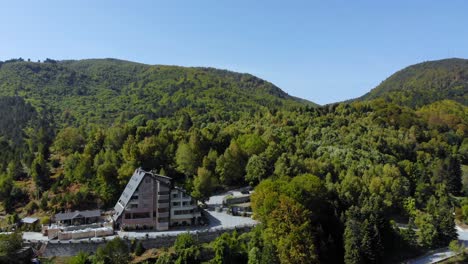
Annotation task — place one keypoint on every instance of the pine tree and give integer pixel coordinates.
(40, 172)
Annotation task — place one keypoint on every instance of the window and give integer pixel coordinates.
(163, 201)
(163, 210)
(134, 197)
(182, 212)
(175, 195)
(175, 203)
(185, 203)
(163, 219)
(141, 215)
(133, 206)
(163, 193)
(137, 215)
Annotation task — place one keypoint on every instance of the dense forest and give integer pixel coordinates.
(425, 83)
(368, 181)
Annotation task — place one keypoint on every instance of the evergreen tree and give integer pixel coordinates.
(40, 172)
(352, 242)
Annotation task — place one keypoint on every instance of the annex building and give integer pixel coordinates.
(151, 201)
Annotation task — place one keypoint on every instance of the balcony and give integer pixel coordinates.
(186, 198)
(186, 207)
(185, 216)
(163, 196)
(165, 214)
(163, 226)
(163, 205)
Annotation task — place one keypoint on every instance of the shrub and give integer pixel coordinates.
(31, 207)
(139, 249)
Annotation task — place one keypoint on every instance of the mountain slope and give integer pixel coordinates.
(333, 178)
(424, 83)
(101, 90)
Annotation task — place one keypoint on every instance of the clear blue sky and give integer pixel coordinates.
(323, 51)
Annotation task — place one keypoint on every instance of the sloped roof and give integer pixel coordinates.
(29, 220)
(90, 213)
(132, 186)
(77, 214)
(180, 189)
(163, 179)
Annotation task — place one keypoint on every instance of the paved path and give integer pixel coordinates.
(433, 257)
(443, 253)
(34, 236)
(218, 221)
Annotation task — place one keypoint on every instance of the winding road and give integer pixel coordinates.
(442, 253)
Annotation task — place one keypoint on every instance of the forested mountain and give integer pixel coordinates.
(101, 90)
(333, 184)
(425, 83)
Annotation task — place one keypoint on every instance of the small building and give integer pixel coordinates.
(236, 199)
(30, 223)
(150, 201)
(29, 220)
(78, 217)
(243, 209)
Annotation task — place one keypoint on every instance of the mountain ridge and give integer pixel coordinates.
(424, 83)
(116, 87)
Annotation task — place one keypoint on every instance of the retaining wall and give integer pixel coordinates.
(72, 247)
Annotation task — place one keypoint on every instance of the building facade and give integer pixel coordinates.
(184, 210)
(146, 203)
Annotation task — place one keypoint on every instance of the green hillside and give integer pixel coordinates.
(424, 83)
(101, 90)
(331, 183)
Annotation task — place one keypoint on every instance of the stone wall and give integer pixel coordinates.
(80, 234)
(71, 248)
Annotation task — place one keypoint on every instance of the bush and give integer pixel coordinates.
(456, 246)
(139, 249)
(464, 210)
(80, 258)
(31, 207)
(184, 241)
(9, 244)
(12, 219)
(45, 220)
(43, 203)
(165, 258)
(115, 251)
(187, 249)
